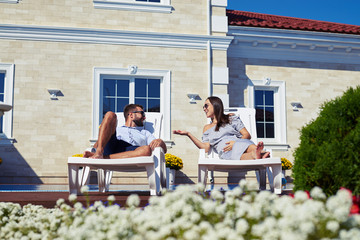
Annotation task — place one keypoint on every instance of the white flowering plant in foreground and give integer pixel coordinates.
(189, 213)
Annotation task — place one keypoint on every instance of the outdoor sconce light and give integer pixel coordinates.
(296, 106)
(4, 108)
(193, 97)
(54, 93)
(132, 69)
(266, 80)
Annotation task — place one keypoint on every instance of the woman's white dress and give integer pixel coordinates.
(229, 132)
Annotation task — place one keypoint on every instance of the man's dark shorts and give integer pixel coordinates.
(116, 146)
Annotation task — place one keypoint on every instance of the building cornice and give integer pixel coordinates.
(133, 6)
(294, 45)
(117, 37)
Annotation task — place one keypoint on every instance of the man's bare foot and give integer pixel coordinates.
(88, 154)
(97, 155)
(259, 148)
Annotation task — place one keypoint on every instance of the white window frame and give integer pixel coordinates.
(165, 83)
(8, 99)
(163, 6)
(279, 88)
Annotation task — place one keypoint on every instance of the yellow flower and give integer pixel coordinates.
(78, 155)
(286, 164)
(173, 162)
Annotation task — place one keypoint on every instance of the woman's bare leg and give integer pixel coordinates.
(255, 152)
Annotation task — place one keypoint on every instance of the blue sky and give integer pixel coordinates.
(340, 11)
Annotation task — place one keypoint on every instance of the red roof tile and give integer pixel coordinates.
(250, 19)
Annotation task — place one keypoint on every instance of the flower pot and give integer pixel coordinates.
(283, 179)
(170, 177)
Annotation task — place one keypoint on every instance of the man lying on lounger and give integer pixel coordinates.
(130, 140)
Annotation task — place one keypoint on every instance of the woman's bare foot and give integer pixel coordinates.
(259, 148)
(265, 155)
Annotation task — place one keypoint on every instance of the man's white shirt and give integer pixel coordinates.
(136, 136)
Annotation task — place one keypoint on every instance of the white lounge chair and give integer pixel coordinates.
(211, 162)
(79, 168)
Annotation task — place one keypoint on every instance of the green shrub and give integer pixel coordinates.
(329, 152)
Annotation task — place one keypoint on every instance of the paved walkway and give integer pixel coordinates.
(47, 194)
(48, 199)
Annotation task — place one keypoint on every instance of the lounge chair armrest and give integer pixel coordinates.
(202, 153)
(158, 150)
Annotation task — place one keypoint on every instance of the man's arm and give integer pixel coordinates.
(158, 143)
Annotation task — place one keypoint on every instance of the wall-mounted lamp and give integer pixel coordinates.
(132, 69)
(266, 80)
(55, 93)
(296, 106)
(193, 97)
(4, 108)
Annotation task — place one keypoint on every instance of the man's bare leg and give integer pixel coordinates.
(138, 152)
(107, 129)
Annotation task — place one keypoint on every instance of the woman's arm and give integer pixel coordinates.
(245, 134)
(196, 141)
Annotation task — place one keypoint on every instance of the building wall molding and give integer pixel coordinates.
(134, 6)
(117, 37)
(283, 44)
(9, 1)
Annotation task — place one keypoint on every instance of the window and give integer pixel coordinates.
(6, 96)
(117, 93)
(269, 101)
(264, 105)
(116, 87)
(160, 6)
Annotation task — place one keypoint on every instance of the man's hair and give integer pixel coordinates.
(130, 108)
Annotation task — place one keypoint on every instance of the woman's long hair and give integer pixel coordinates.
(221, 118)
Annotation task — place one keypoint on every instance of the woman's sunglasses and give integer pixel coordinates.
(205, 106)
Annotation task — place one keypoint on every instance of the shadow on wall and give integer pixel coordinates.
(238, 83)
(182, 178)
(14, 169)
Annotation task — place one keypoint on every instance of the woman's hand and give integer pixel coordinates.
(179, 132)
(229, 146)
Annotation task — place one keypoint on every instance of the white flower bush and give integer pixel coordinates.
(189, 213)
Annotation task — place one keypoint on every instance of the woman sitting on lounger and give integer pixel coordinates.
(226, 134)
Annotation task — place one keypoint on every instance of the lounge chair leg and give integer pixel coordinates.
(277, 178)
(202, 176)
(153, 183)
(73, 172)
(211, 177)
(262, 182)
(85, 174)
(269, 172)
(101, 180)
(158, 162)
